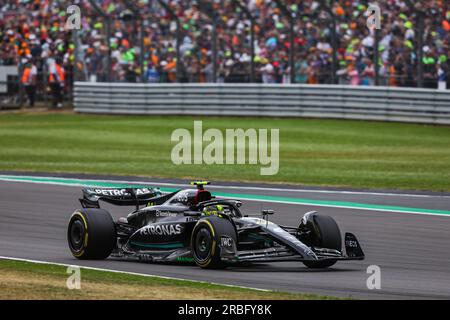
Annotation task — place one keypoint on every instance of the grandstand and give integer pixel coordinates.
(134, 41)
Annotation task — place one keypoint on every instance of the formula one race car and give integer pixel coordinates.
(193, 226)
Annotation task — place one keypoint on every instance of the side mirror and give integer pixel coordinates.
(267, 212)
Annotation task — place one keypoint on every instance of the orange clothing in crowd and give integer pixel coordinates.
(392, 81)
(60, 75)
(171, 68)
(27, 77)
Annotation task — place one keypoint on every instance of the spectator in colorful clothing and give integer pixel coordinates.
(36, 27)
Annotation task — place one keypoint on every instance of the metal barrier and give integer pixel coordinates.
(316, 101)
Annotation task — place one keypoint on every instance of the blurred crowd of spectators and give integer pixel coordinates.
(34, 29)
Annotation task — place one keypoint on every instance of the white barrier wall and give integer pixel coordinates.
(318, 101)
(5, 71)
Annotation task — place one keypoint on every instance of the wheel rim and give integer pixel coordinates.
(203, 243)
(77, 233)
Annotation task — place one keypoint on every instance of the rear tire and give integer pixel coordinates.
(329, 236)
(205, 240)
(91, 234)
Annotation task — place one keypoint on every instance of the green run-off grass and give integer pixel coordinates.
(312, 152)
(21, 280)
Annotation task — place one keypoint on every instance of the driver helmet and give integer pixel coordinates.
(214, 210)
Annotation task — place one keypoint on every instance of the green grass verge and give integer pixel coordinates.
(312, 152)
(26, 280)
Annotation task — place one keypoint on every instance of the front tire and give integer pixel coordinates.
(326, 235)
(205, 241)
(91, 234)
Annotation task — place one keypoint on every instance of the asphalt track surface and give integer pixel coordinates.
(412, 250)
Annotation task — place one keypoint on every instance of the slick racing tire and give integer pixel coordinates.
(329, 237)
(91, 234)
(205, 241)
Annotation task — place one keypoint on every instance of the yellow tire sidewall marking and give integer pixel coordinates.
(211, 228)
(86, 236)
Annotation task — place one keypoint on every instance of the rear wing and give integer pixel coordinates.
(122, 196)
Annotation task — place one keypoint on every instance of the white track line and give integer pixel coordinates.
(242, 197)
(343, 207)
(130, 273)
(180, 185)
(303, 190)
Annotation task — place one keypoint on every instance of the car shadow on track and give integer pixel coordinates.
(252, 268)
(286, 269)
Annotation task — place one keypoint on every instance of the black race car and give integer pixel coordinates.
(193, 226)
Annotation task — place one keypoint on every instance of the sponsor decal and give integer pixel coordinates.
(159, 213)
(144, 191)
(111, 192)
(145, 257)
(351, 244)
(121, 192)
(226, 242)
(161, 230)
(182, 196)
(185, 259)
